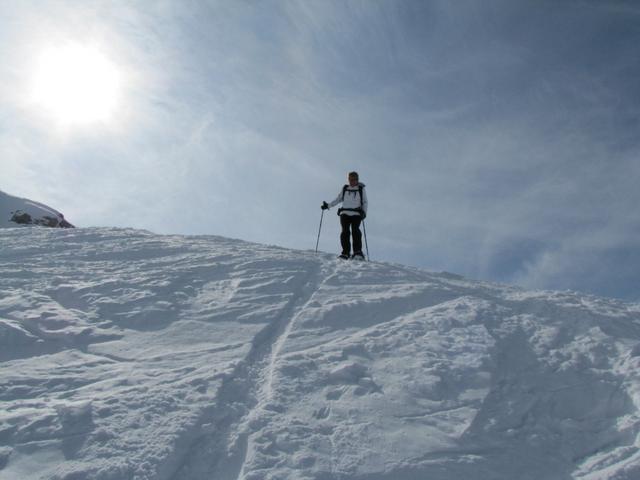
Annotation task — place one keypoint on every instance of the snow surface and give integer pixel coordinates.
(39, 212)
(129, 355)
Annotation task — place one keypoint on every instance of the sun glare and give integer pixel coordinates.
(76, 84)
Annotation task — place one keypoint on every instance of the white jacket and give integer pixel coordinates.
(351, 200)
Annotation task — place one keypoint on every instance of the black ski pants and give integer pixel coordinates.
(351, 222)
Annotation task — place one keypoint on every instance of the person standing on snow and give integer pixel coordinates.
(353, 211)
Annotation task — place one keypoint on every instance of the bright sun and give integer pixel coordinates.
(76, 84)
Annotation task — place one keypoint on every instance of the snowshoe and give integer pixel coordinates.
(343, 256)
(358, 256)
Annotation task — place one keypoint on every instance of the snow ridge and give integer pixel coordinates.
(129, 355)
(15, 211)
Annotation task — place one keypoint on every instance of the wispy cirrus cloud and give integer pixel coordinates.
(498, 139)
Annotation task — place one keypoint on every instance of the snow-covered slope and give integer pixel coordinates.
(16, 211)
(127, 355)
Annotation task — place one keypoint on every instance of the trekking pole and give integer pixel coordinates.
(364, 228)
(319, 229)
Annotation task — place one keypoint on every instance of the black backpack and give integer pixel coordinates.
(360, 186)
(344, 190)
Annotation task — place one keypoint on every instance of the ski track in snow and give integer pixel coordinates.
(128, 355)
(238, 396)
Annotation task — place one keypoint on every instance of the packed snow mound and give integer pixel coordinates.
(128, 355)
(16, 211)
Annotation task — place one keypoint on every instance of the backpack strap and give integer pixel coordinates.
(344, 190)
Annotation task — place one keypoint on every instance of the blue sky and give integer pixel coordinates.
(498, 139)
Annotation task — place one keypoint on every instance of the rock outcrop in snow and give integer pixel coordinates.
(127, 355)
(16, 211)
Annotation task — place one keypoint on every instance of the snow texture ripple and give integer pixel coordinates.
(129, 355)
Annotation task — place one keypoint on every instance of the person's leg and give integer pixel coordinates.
(357, 234)
(345, 234)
